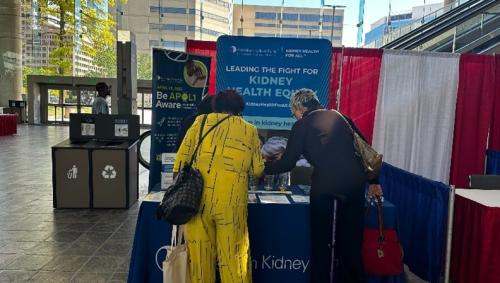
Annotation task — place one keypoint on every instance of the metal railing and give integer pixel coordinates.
(464, 34)
(443, 26)
(402, 30)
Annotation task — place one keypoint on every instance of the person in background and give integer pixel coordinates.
(205, 107)
(326, 142)
(100, 105)
(227, 157)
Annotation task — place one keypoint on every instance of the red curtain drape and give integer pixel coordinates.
(359, 85)
(475, 252)
(205, 48)
(334, 77)
(495, 123)
(475, 97)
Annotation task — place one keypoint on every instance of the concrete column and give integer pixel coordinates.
(10, 51)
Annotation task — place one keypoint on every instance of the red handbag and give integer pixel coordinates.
(382, 253)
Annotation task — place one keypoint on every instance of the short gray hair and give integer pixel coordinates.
(302, 98)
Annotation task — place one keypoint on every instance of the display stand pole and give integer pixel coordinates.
(340, 78)
(281, 17)
(332, 247)
(449, 234)
(187, 21)
(454, 45)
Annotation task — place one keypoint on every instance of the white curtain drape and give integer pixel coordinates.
(415, 115)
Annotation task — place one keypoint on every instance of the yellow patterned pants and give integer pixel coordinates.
(219, 237)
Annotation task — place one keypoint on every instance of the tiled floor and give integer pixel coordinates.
(41, 244)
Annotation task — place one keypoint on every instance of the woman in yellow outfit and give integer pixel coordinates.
(228, 156)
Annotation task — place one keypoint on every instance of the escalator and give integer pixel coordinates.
(478, 35)
(470, 26)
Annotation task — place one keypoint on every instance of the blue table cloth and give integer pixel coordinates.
(279, 239)
(493, 162)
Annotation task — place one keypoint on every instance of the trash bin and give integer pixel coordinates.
(70, 175)
(17, 107)
(95, 174)
(114, 174)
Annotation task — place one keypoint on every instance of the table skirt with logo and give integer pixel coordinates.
(279, 241)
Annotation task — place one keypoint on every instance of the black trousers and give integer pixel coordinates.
(349, 237)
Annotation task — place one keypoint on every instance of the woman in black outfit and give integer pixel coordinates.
(326, 142)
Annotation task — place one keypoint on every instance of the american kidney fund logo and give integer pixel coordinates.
(270, 262)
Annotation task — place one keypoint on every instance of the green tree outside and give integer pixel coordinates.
(144, 67)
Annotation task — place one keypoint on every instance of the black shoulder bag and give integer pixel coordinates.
(182, 199)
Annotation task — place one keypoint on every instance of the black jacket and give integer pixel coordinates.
(326, 141)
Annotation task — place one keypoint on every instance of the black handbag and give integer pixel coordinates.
(182, 199)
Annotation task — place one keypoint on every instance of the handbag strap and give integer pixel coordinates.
(173, 238)
(203, 122)
(180, 238)
(203, 136)
(380, 217)
(346, 121)
(177, 235)
(380, 214)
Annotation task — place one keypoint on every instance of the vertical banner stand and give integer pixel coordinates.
(449, 234)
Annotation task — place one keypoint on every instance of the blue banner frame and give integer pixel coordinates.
(266, 71)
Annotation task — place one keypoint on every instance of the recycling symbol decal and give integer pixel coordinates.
(108, 172)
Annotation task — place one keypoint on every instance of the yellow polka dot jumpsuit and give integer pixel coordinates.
(219, 233)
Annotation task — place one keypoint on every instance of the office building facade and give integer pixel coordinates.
(256, 20)
(39, 40)
(385, 25)
(40, 35)
(168, 23)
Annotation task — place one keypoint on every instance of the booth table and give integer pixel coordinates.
(279, 241)
(8, 124)
(476, 236)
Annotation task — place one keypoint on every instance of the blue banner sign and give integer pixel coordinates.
(179, 82)
(266, 71)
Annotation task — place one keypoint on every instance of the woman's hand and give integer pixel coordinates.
(375, 191)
